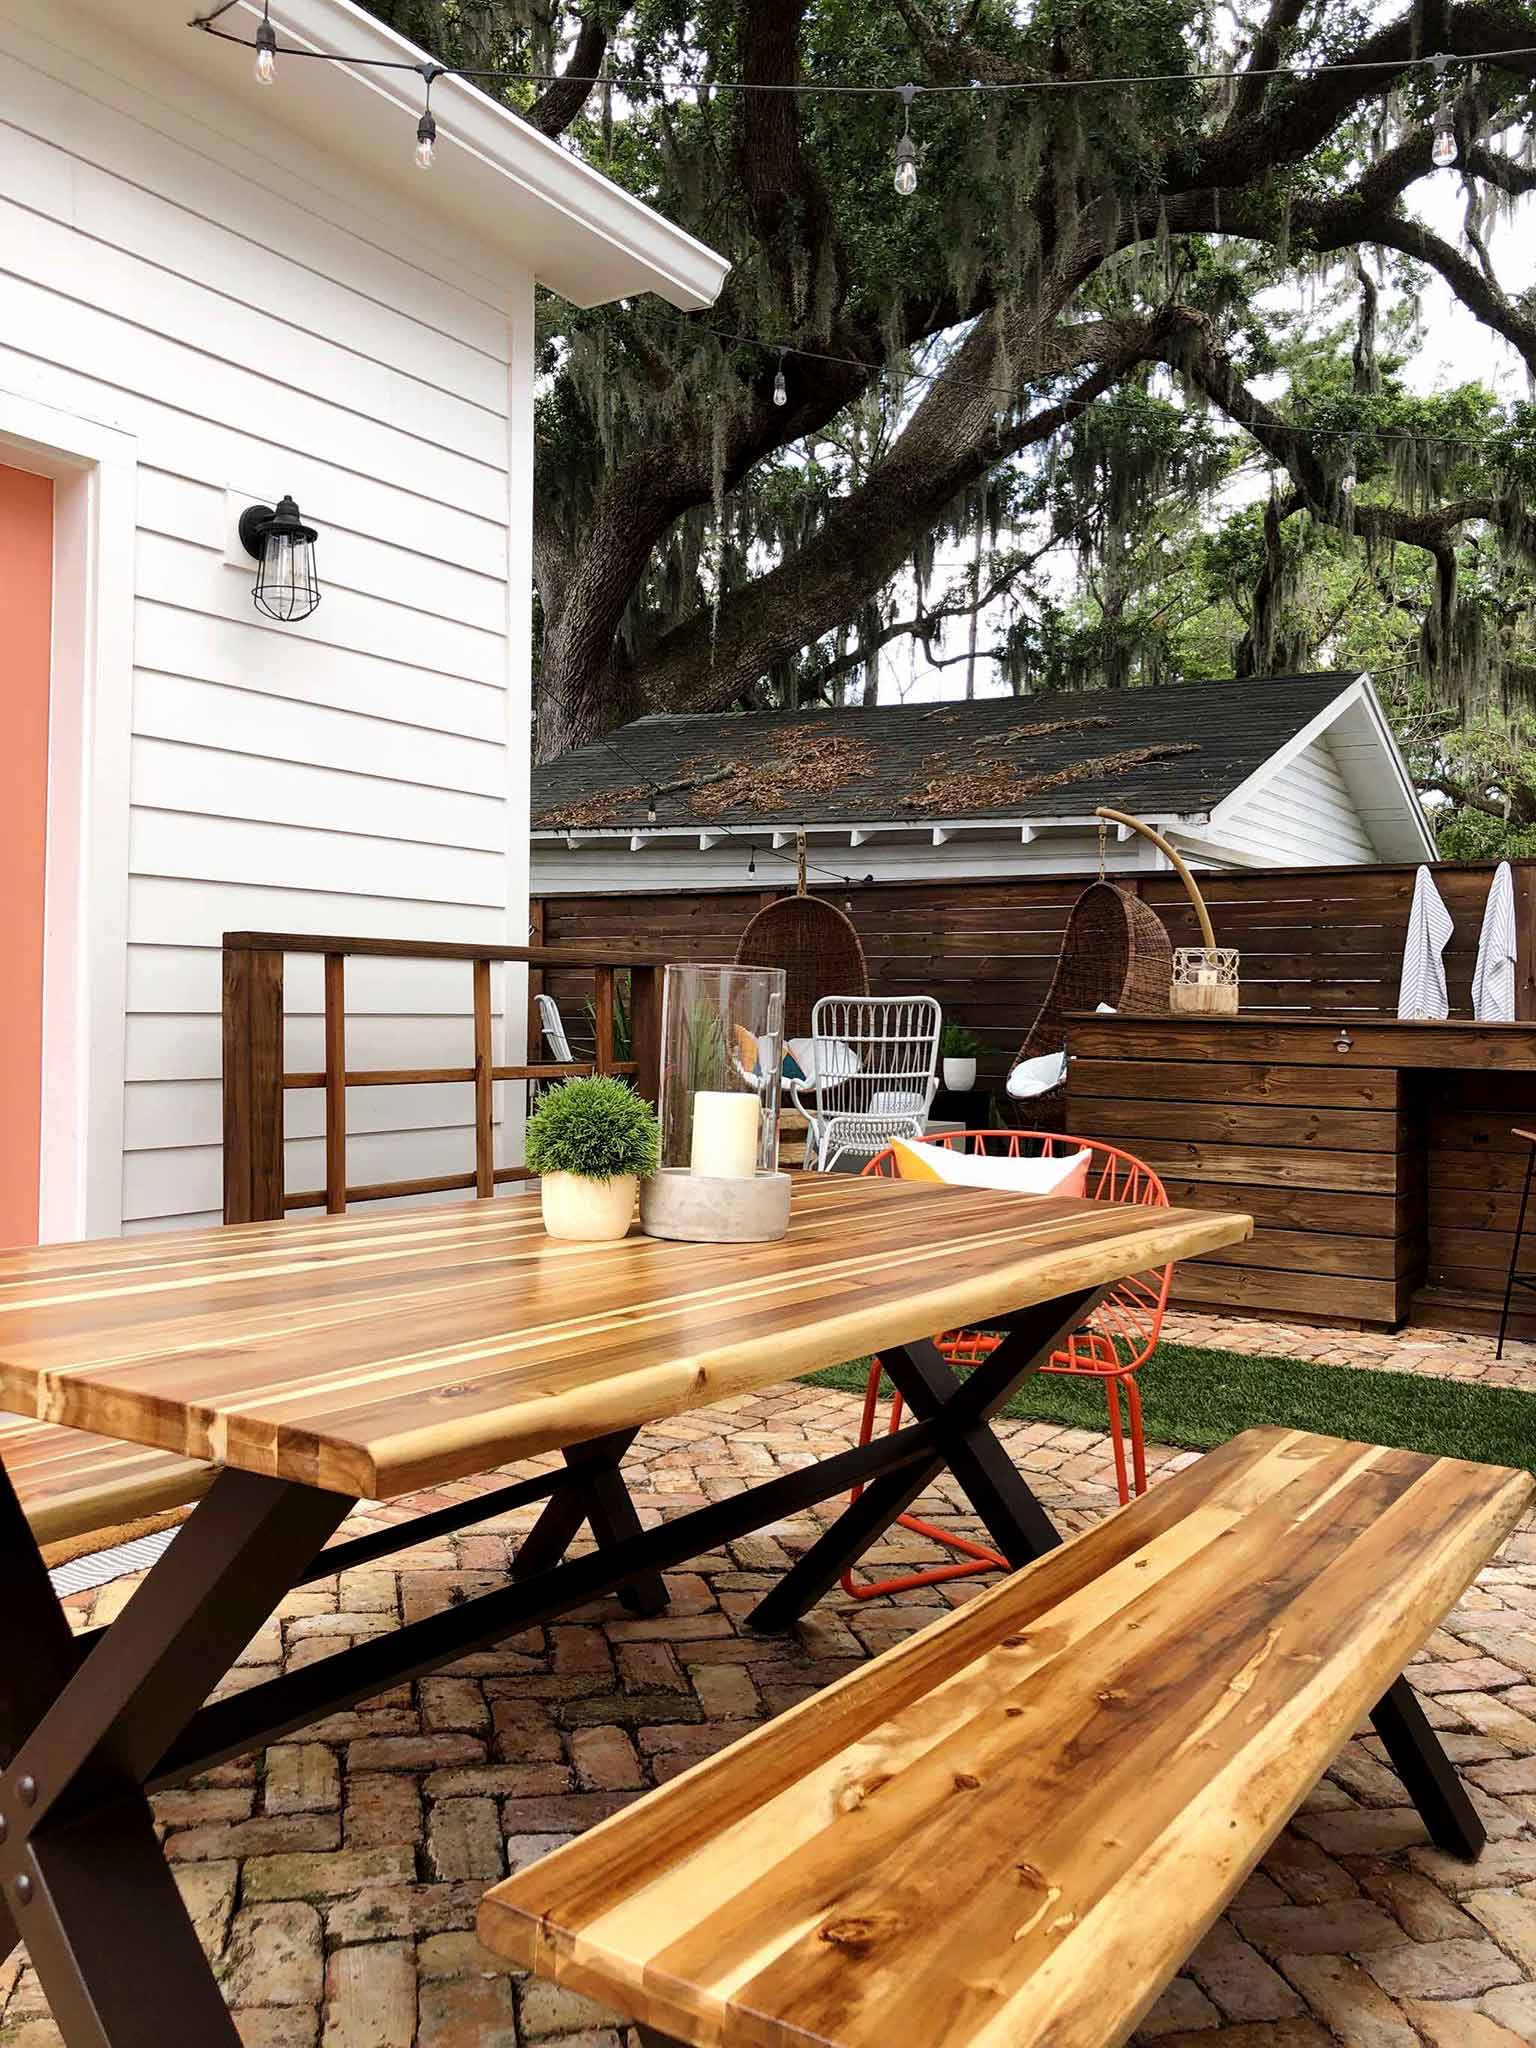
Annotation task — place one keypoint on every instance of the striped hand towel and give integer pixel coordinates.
(1421, 992)
(1493, 978)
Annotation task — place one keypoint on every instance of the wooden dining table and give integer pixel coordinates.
(319, 1364)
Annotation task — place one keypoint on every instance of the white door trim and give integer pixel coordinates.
(85, 948)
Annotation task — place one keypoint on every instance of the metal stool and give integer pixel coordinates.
(1515, 1278)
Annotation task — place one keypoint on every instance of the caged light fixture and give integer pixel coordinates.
(780, 388)
(906, 149)
(283, 547)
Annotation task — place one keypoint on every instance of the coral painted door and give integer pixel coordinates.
(26, 632)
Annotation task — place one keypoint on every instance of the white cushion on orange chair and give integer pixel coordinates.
(1064, 1174)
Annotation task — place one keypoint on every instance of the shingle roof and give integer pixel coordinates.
(1173, 751)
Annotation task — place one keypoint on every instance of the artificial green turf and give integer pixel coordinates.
(1195, 1399)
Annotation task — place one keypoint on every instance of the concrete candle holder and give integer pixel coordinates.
(707, 1209)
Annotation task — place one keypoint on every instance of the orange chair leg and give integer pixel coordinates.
(1138, 1440)
(1117, 1438)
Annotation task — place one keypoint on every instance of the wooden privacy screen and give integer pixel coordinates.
(1325, 941)
(1376, 1157)
(256, 1079)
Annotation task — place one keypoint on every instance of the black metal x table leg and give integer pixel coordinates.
(960, 1411)
(1428, 1775)
(594, 1493)
(82, 1875)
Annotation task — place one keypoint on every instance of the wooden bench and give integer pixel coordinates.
(73, 1486)
(1012, 1829)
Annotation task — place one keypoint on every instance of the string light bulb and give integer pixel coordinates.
(780, 388)
(1442, 150)
(426, 127)
(266, 51)
(905, 180)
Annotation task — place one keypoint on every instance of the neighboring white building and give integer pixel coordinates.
(1288, 771)
(212, 294)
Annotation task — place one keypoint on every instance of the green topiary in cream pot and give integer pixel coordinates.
(590, 1140)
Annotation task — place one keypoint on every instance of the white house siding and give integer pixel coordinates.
(170, 266)
(1302, 816)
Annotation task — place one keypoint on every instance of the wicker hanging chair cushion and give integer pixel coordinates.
(817, 948)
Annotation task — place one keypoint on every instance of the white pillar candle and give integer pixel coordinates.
(725, 1134)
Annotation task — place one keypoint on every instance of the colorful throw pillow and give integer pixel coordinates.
(1064, 1174)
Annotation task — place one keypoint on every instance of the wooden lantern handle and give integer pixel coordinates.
(1157, 839)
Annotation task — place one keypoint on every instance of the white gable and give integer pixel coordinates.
(1338, 793)
(1302, 816)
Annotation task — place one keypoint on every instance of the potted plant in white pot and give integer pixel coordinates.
(590, 1141)
(958, 1050)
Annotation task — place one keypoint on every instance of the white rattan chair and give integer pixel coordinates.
(553, 1026)
(872, 1074)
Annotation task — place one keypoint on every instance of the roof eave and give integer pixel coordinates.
(577, 231)
(824, 828)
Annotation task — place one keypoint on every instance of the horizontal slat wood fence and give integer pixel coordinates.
(256, 1079)
(1325, 941)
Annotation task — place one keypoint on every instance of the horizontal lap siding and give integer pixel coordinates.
(348, 774)
(1303, 813)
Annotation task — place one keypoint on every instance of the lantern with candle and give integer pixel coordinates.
(722, 1048)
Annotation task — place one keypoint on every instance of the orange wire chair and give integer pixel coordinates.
(1115, 1341)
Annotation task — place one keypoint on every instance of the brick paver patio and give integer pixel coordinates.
(1438, 1354)
(335, 1879)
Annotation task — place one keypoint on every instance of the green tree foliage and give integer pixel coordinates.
(1065, 347)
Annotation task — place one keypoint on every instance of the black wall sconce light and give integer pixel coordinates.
(283, 548)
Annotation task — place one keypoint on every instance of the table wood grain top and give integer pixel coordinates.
(376, 1355)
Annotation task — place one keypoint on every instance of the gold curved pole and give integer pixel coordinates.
(1157, 839)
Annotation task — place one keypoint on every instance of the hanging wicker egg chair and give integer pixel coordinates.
(1114, 950)
(814, 943)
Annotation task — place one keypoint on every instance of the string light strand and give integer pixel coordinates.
(811, 88)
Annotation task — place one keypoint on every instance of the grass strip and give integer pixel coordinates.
(1196, 1398)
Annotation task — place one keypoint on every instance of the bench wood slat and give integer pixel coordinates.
(71, 1483)
(1013, 1828)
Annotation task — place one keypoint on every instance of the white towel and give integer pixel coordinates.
(1493, 978)
(1421, 992)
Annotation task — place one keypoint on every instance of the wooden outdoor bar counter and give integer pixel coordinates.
(1376, 1157)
